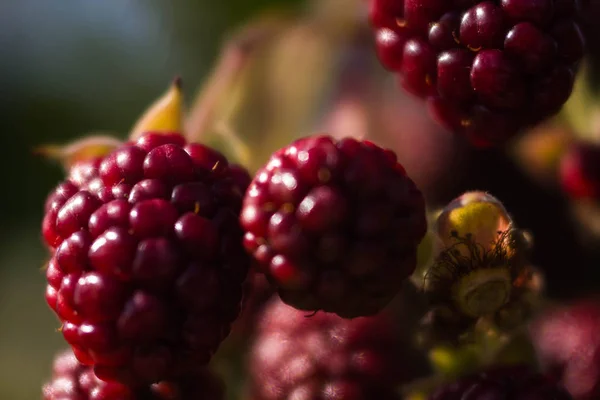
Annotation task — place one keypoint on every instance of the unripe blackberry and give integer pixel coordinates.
(74, 381)
(334, 225)
(480, 270)
(148, 265)
(568, 345)
(580, 171)
(323, 356)
(487, 69)
(481, 254)
(515, 383)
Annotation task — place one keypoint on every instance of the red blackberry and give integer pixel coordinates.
(514, 383)
(486, 68)
(147, 269)
(567, 341)
(580, 171)
(323, 357)
(334, 225)
(74, 381)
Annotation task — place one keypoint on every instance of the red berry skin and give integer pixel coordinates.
(334, 225)
(323, 356)
(522, 57)
(568, 346)
(74, 381)
(125, 233)
(514, 382)
(580, 171)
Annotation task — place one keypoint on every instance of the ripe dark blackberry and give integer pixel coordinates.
(487, 69)
(323, 356)
(567, 343)
(74, 381)
(580, 171)
(334, 225)
(148, 265)
(514, 383)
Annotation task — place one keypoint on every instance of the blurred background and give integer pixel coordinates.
(77, 66)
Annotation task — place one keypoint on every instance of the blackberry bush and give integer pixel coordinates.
(74, 381)
(334, 225)
(487, 69)
(147, 261)
(151, 239)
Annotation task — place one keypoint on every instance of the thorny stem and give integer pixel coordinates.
(234, 59)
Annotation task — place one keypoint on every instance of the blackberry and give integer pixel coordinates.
(147, 264)
(580, 171)
(487, 69)
(323, 356)
(568, 345)
(74, 381)
(334, 225)
(515, 383)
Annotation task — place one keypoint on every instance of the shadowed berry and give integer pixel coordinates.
(567, 344)
(588, 21)
(580, 171)
(521, 56)
(515, 383)
(73, 381)
(334, 225)
(323, 356)
(129, 233)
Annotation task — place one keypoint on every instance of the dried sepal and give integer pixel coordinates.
(84, 149)
(165, 115)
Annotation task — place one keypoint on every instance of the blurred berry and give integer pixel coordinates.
(323, 356)
(580, 171)
(334, 225)
(567, 340)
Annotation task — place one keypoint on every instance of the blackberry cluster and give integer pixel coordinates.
(487, 69)
(334, 225)
(514, 383)
(147, 259)
(323, 357)
(74, 381)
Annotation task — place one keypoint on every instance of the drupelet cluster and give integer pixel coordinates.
(487, 69)
(147, 261)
